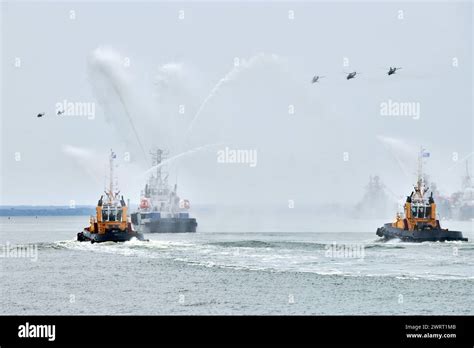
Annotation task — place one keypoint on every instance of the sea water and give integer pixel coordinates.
(323, 271)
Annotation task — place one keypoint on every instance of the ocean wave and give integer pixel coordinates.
(49, 245)
(384, 246)
(272, 245)
(329, 272)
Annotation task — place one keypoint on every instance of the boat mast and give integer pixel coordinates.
(111, 179)
(156, 161)
(420, 185)
(159, 154)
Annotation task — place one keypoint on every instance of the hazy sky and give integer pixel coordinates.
(138, 62)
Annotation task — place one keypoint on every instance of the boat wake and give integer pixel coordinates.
(401, 260)
(270, 245)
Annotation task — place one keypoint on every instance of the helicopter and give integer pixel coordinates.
(316, 78)
(351, 75)
(392, 71)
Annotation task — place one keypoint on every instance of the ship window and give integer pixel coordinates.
(415, 211)
(421, 212)
(105, 215)
(428, 212)
(113, 214)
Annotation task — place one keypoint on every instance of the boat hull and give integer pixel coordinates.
(168, 225)
(432, 235)
(165, 225)
(109, 236)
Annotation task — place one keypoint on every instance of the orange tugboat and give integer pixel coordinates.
(111, 221)
(419, 223)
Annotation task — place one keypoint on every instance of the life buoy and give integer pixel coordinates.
(184, 204)
(144, 203)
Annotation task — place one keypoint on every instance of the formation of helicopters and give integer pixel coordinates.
(315, 79)
(59, 113)
(351, 75)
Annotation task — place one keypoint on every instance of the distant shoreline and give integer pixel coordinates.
(31, 210)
